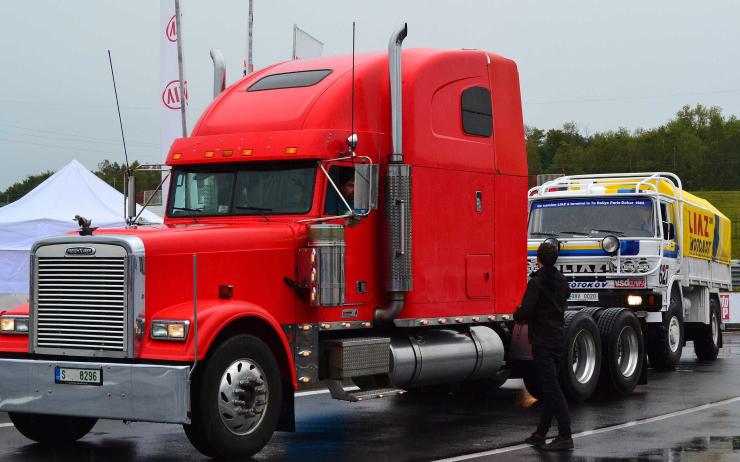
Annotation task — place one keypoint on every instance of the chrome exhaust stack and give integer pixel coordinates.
(398, 193)
(219, 72)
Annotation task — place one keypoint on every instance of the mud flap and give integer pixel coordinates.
(643, 376)
(287, 413)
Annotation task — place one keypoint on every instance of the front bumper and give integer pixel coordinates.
(136, 392)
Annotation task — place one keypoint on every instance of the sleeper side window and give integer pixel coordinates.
(477, 118)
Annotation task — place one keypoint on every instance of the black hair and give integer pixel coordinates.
(547, 254)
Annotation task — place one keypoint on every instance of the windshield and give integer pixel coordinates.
(631, 217)
(242, 189)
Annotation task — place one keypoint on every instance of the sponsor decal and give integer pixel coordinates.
(547, 204)
(663, 275)
(589, 285)
(699, 228)
(171, 30)
(631, 283)
(724, 305)
(584, 268)
(171, 94)
(80, 251)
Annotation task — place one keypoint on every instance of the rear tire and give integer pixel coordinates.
(236, 407)
(579, 373)
(52, 430)
(665, 341)
(708, 339)
(623, 350)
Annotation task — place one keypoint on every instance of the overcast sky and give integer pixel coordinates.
(602, 65)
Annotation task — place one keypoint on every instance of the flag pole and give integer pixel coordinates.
(295, 26)
(179, 68)
(250, 27)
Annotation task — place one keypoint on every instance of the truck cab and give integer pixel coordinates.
(305, 240)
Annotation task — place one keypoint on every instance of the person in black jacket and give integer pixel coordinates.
(542, 308)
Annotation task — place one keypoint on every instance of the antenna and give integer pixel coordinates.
(120, 122)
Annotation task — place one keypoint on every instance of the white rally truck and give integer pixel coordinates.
(639, 241)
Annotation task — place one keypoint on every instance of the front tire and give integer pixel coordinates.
(665, 341)
(237, 406)
(52, 430)
(708, 340)
(579, 374)
(623, 350)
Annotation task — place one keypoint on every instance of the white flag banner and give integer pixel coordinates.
(305, 45)
(171, 124)
(171, 118)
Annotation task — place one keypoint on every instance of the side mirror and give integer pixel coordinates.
(366, 188)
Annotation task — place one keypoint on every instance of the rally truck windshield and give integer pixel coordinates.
(579, 217)
(265, 188)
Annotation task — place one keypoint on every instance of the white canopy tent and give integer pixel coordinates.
(49, 210)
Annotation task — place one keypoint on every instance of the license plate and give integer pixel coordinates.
(583, 297)
(77, 376)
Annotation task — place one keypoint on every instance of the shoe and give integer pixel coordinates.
(535, 439)
(559, 444)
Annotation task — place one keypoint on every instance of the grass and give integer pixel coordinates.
(728, 202)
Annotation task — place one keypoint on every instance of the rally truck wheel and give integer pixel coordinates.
(237, 405)
(665, 341)
(623, 351)
(52, 430)
(708, 339)
(579, 374)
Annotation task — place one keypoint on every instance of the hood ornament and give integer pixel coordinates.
(85, 229)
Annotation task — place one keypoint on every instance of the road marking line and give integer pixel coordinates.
(8, 424)
(598, 431)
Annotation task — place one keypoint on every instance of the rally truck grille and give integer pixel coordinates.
(80, 304)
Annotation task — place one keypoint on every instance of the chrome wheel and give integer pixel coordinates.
(243, 397)
(674, 334)
(583, 356)
(627, 351)
(715, 329)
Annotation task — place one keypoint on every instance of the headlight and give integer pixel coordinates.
(643, 266)
(170, 330)
(634, 300)
(14, 325)
(628, 266)
(610, 244)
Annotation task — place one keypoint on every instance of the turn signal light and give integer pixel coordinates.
(170, 330)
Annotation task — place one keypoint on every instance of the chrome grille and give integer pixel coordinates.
(81, 303)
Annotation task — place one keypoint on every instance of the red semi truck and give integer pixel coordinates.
(269, 276)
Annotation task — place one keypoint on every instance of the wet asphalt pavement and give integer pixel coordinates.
(689, 414)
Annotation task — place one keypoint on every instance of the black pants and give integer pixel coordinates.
(547, 362)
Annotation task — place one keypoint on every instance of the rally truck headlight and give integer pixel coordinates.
(170, 330)
(634, 300)
(610, 244)
(17, 325)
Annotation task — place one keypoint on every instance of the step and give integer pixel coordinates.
(338, 392)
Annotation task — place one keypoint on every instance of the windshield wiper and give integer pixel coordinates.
(187, 209)
(618, 233)
(542, 233)
(580, 233)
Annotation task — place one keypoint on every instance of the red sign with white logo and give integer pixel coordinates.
(724, 305)
(171, 94)
(171, 30)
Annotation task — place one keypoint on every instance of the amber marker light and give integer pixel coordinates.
(227, 153)
(177, 156)
(246, 152)
(291, 150)
(208, 154)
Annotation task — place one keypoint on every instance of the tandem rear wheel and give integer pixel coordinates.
(606, 353)
(708, 339)
(237, 401)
